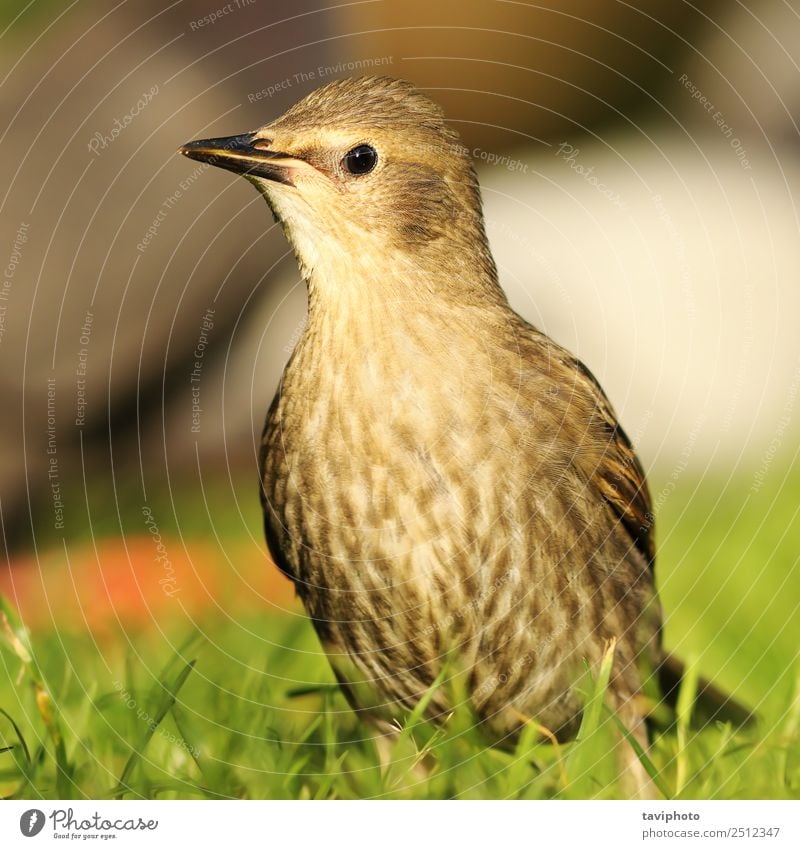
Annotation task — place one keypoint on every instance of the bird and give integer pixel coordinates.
(438, 477)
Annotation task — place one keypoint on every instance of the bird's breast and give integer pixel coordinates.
(413, 478)
(380, 470)
(424, 504)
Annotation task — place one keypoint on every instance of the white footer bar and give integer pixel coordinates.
(400, 825)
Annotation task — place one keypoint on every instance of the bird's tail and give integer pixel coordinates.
(711, 703)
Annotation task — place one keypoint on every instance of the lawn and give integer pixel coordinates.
(219, 689)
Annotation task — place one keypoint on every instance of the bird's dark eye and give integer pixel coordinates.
(361, 159)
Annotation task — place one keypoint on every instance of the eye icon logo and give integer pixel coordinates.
(31, 822)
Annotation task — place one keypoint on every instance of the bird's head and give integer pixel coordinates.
(362, 169)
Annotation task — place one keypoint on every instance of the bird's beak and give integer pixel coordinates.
(245, 154)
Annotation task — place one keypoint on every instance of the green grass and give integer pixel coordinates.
(170, 712)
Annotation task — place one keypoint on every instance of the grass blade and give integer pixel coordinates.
(586, 759)
(18, 733)
(169, 695)
(593, 709)
(683, 711)
(16, 637)
(648, 765)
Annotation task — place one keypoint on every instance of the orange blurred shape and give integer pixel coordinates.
(133, 582)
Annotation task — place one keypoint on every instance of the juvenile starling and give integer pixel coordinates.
(437, 476)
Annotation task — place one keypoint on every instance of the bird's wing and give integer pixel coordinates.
(618, 474)
(272, 524)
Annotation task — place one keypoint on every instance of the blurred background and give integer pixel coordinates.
(640, 169)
